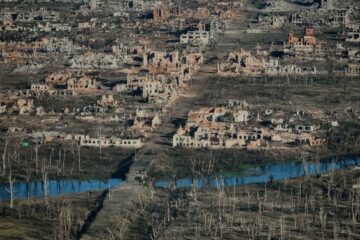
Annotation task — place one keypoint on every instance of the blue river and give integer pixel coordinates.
(263, 174)
(253, 175)
(34, 189)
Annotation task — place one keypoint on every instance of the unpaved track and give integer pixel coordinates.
(202, 91)
(123, 200)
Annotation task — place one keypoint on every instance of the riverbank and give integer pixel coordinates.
(61, 162)
(54, 218)
(280, 171)
(181, 163)
(307, 208)
(65, 216)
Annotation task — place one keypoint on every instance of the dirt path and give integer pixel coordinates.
(125, 201)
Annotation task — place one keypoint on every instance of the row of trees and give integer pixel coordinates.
(26, 164)
(325, 208)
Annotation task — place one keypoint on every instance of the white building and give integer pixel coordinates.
(198, 37)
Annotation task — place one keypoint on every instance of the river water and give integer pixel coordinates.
(35, 189)
(263, 174)
(252, 175)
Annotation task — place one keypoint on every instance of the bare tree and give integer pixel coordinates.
(4, 158)
(63, 163)
(36, 157)
(64, 222)
(28, 177)
(78, 145)
(45, 183)
(11, 189)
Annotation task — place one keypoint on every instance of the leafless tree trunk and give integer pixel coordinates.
(11, 190)
(322, 218)
(28, 177)
(58, 162)
(36, 158)
(63, 163)
(51, 156)
(45, 183)
(4, 159)
(282, 227)
(65, 222)
(335, 231)
(305, 166)
(79, 155)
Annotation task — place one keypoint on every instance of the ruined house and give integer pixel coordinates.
(195, 38)
(163, 13)
(108, 101)
(110, 141)
(161, 75)
(146, 120)
(352, 70)
(86, 140)
(60, 77)
(15, 130)
(202, 32)
(308, 44)
(233, 126)
(125, 5)
(40, 111)
(39, 15)
(25, 106)
(353, 36)
(96, 61)
(327, 17)
(245, 63)
(3, 108)
(217, 127)
(83, 84)
(327, 4)
(228, 10)
(54, 44)
(39, 87)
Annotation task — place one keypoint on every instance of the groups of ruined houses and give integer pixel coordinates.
(40, 27)
(350, 54)
(166, 73)
(95, 61)
(235, 126)
(125, 6)
(73, 86)
(158, 79)
(161, 74)
(318, 17)
(41, 14)
(260, 63)
(246, 63)
(202, 30)
(22, 51)
(86, 140)
(20, 106)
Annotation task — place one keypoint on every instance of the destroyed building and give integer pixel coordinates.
(308, 44)
(245, 63)
(234, 126)
(82, 84)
